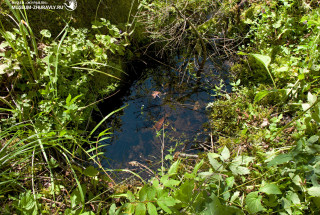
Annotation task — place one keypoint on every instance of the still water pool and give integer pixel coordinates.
(165, 108)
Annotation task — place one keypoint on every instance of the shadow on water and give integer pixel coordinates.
(164, 107)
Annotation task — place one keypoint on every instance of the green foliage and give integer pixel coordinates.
(281, 180)
(50, 97)
(265, 156)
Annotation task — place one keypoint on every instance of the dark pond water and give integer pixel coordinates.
(165, 108)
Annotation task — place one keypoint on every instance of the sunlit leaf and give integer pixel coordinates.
(140, 209)
(239, 170)
(313, 139)
(214, 163)
(152, 210)
(213, 207)
(280, 159)
(174, 168)
(143, 193)
(225, 154)
(314, 191)
(166, 202)
(270, 189)
(311, 98)
(185, 192)
(90, 171)
(253, 202)
(265, 61)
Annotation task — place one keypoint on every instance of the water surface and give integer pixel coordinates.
(165, 107)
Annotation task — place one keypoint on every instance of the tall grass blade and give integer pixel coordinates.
(57, 60)
(105, 118)
(99, 64)
(95, 70)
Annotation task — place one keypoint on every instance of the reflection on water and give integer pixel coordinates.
(160, 100)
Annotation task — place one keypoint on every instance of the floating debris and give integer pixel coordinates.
(159, 124)
(156, 94)
(196, 106)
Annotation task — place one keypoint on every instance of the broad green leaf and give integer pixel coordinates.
(166, 202)
(295, 179)
(225, 154)
(246, 159)
(90, 171)
(214, 163)
(264, 59)
(280, 159)
(155, 184)
(242, 53)
(270, 189)
(228, 209)
(128, 208)
(152, 210)
(169, 182)
(287, 205)
(195, 170)
(197, 167)
(293, 197)
(311, 98)
(239, 170)
(242, 160)
(305, 106)
(174, 168)
(313, 139)
(140, 209)
(53, 163)
(151, 193)
(253, 202)
(143, 193)
(230, 181)
(185, 192)
(234, 196)
(301, 76)
(27, 201)
(213, 155)
(271, 200)
(213, 207)
(314, 191)
(204, 175)
(277, 24)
